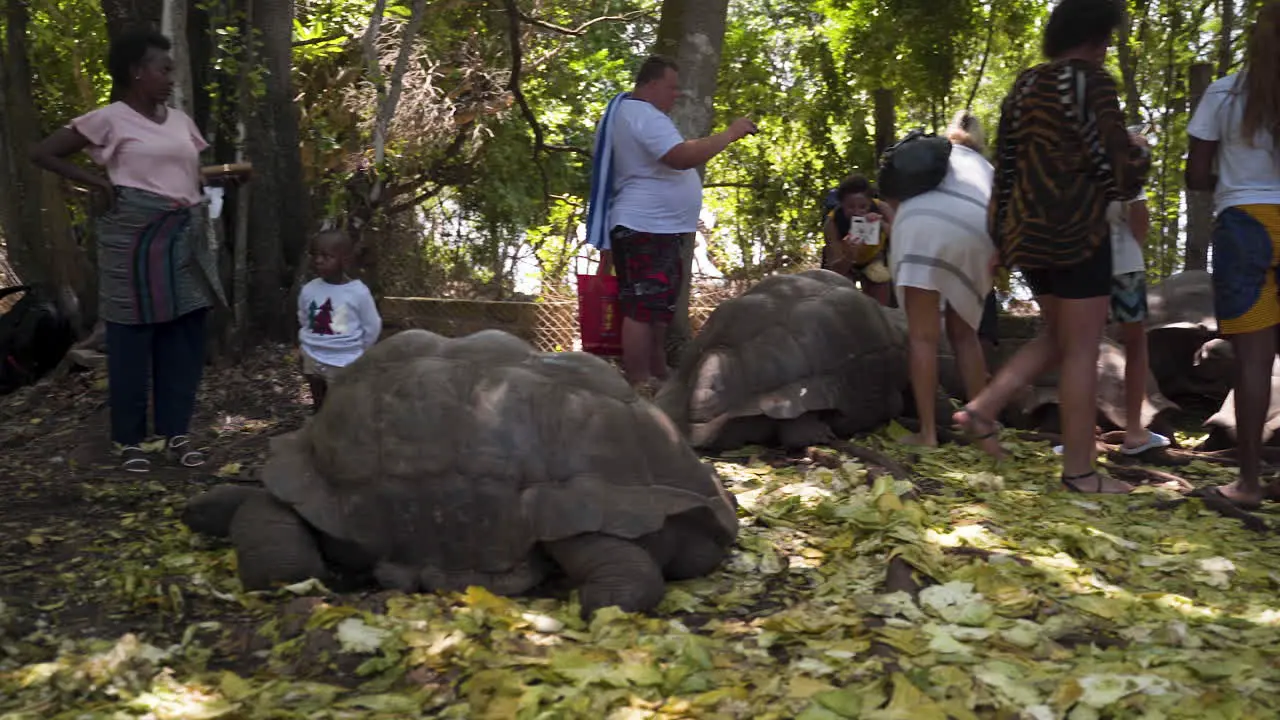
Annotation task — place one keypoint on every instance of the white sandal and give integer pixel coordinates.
(135, 459)
(180, 449)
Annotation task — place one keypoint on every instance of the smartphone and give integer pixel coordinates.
(1141, 129)
(864, 231)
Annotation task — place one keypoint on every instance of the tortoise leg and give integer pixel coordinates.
(273, 545)
(684, 549)
(609, 571)
(210, 513)
(395, 576)
(806, 430)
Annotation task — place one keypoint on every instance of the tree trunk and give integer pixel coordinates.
(36, 224)
(278, 224)
(1129, 71)
(173, 25)
(123, 15)
(1224, 38)
(885, 120)
(1199, 202)
(691, 32)
(23, 229)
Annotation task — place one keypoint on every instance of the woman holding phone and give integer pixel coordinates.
(846, 250)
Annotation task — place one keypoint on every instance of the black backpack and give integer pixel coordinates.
(915, 165)
(35, 334)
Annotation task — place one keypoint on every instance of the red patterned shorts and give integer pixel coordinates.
(650, 270)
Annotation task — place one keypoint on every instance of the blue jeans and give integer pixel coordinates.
(167, 357)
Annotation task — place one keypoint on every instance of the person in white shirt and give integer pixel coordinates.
(653, 212)
(338, 317)
(1238, 124)
(941, 263)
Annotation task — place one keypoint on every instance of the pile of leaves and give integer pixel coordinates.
(1028, 602)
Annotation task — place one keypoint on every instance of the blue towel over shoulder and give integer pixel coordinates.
(602, 178)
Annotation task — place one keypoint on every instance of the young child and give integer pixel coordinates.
(1129, 308)
(338, 316)
(855, 260)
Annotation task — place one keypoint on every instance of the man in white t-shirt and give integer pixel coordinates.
(1233, 124)
(657, 197)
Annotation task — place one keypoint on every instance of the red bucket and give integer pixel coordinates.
(598, 315)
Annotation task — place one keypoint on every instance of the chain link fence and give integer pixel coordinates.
(549, 323)
(8, 278)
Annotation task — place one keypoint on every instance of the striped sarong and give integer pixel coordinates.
(150, 268)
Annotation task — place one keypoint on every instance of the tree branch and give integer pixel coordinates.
(415, 201)
(320, 40)
(513, 85)
(581, 29)
(986, 53)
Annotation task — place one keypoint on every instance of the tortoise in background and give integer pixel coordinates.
(796, 360)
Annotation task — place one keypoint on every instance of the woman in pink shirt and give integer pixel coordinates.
(153, 294)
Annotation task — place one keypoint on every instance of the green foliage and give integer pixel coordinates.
(805, 70)
(67, 48)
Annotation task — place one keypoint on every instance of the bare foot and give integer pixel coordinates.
(1244, 497)
(981, 432)
(1095, 483)
(918, 440)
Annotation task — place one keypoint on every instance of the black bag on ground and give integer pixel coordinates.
(917, 164)
(35, 334)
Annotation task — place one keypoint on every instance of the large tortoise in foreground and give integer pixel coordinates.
(436, 464)
(796, 360)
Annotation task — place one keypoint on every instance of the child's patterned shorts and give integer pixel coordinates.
(1129, 297)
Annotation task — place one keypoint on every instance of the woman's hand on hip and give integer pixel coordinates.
(104, 197)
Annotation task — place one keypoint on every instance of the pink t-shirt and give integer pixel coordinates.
(163, 158)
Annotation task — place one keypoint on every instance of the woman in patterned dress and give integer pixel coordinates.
(1064, 161)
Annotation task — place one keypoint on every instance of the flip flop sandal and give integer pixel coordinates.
(180, 449)
(1154, 441)
(135, 459)
(1069, 481)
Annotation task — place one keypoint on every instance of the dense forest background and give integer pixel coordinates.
(455, 134)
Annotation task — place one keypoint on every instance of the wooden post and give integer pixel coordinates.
(885, 119)
(1199, 203)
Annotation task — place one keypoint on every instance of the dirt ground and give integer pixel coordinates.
(72, 522)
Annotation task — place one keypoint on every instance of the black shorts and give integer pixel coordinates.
(1088, 279)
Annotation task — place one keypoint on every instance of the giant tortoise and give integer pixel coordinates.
(1180, 321)
(436, 464)
(796, 360)
(1222, 424)
(1038, 406)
